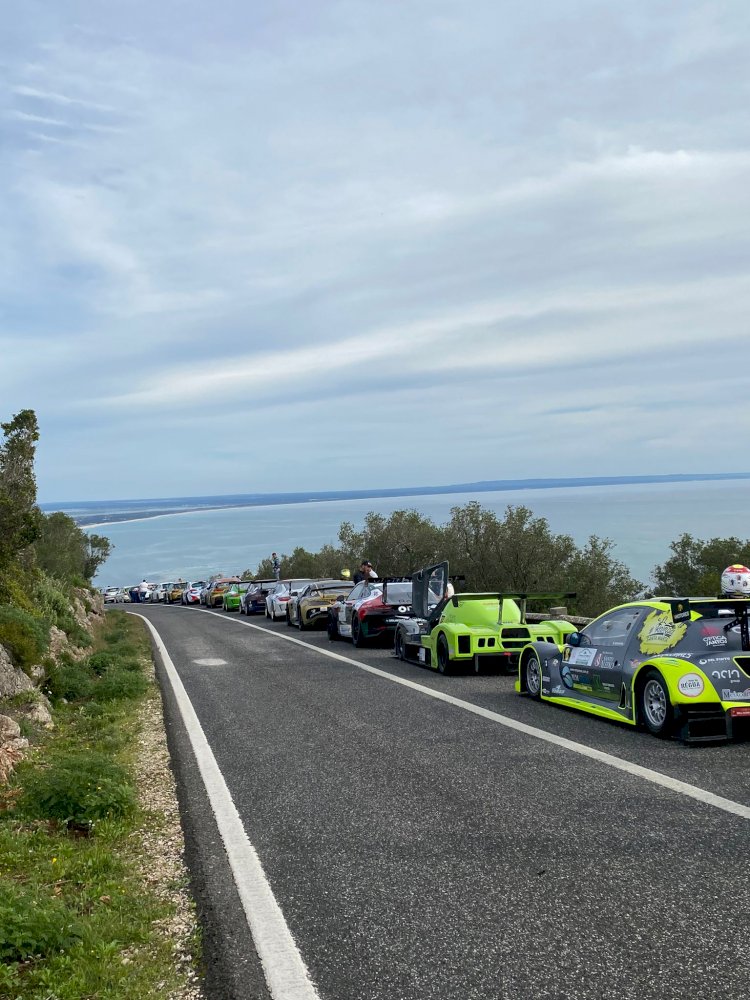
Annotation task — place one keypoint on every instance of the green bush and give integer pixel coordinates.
(77, 789)
(71, 680)
(13, 589)
(25, 637)
(33, 924)
(102, 661)
(118, 683)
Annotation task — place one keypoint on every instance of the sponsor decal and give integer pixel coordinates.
(715, 640)
(546, 679)
(566, 676)
(728, 695)
(605, 661)
(583, 656)
(558, 689)
(714, 660)
(691, 685)
(659, 632)
(556, 661)
(727, 674)
(680, 611)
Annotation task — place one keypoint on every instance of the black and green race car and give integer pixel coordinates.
(677, 667)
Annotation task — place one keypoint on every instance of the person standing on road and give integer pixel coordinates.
(143, 591)
(276, 563)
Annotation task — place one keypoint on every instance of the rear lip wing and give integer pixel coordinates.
(518, 596)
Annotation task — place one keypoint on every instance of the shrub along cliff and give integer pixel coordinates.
(47, 606)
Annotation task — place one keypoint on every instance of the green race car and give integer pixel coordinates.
(231, 599)
(449, 632)
(677, 667)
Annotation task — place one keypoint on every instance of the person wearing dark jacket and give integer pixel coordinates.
(365, 572)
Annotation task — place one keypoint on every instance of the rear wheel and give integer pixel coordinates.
(443, 655)
(398, 645)
(654, 707)
(300, 623)
(288, 617)
(532, 675)
(358, 636)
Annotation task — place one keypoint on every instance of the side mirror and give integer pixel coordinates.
(573, 638)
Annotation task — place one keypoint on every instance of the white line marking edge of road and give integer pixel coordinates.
(638, 770)
(285, 971)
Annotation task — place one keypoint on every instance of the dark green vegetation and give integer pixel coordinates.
(695, 566)
(517, 552)
(41, 557)
(76, 919)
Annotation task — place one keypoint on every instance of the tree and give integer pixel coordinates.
(396, 545)
(19, 515)
(98, 548)
(694, 569)
(66, 552)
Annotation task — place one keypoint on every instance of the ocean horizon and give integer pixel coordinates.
(182, 538)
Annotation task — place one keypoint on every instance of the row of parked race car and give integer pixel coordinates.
(674, 666)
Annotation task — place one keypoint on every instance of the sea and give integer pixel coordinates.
(192, 538)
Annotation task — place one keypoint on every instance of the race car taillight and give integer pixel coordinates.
(740, 711)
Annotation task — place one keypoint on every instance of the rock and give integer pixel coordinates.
(58, 642)
(37, 673)
(9, 729)
(17, 745)
(12, 680)
(39, 713)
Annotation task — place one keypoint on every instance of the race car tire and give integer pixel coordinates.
(300, 623)
(654, 707)
(332, 628)
(444, 664)
(288, 619)
(398, 645)
(359, 639)
(532, 676)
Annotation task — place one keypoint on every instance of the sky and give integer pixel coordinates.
(280, 246)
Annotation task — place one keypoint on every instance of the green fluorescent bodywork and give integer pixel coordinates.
(483, 625)
(231, 597)
(673, 668)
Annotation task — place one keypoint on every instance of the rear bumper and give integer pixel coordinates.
(712, 723)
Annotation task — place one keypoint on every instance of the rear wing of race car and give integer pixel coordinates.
(736, 610)
(520, 598)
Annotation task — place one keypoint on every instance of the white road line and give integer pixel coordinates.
(284, 969)
(655, 777)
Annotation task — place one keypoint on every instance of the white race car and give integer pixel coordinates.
(278, 598)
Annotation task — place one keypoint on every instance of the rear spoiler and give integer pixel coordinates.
(519, 597)
(738, 607)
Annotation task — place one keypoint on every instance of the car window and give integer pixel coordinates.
(614, 629)
(356, 593)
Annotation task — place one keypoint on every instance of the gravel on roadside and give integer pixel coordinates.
(162, 842)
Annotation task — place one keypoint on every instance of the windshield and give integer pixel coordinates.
(398, 593)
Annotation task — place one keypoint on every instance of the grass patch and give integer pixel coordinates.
(77, 918)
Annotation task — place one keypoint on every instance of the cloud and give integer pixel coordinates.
(271, 209)
(52, 98)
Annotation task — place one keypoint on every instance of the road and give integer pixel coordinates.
(417, 849)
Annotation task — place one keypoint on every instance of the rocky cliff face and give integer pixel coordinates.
(20, 697)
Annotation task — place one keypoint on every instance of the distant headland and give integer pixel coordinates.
(91, 512)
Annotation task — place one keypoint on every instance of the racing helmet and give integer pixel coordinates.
(735, 581)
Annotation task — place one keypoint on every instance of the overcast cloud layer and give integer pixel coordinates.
(284, 246)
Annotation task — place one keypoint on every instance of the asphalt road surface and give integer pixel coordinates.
(419, 850)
